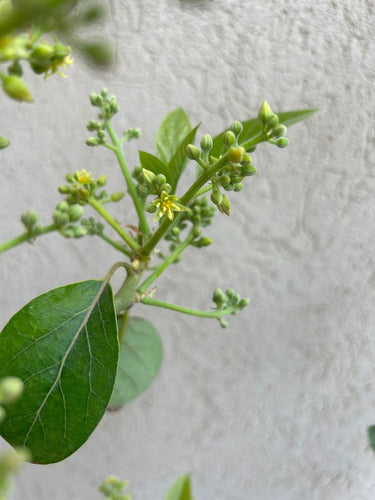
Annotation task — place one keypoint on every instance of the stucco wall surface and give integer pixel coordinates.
(276, 407)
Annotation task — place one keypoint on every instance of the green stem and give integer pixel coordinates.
(168, 261)
(121, 332)
(202, 191)
(7, 245)
(218, 313)
(111, 221)
(113, 243)
(205, 176)
(143, 224)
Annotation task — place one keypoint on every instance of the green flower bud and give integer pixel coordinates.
(265, 112)
(15, 68)
(151, 208)
(42, 53)
(63, 206)
(248, 170)
(176, 231)
(75, 212)
(218, 297)
(223, 323)
(272, 122)
(92, 141)
(166, 187)
(229, 187)
(148, 177)
(246, 159)
(224, 206)
(94, 125)
(4, 142)
(196, 232)
(60, 218)
(161, 179)
(192, 152)
(102, 181)
(229, 292)
(12, 460)
(282, 142)
(16, 88)
(224, 180)
(79, 231)
(238, 187)
(60, 51)
(11, 389)
(236, 179)
(137, 171)
(236, 128)
(235, 155)
(67, 231)
(29, 219)
(117, 196)
(206, 143)
(144, 190)
(229, 138)
(216, 197)
(203, 242)
(64, 189)
(243, 303)
(279, 131)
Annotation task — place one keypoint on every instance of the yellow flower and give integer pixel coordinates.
(166, 205)
(84, 177)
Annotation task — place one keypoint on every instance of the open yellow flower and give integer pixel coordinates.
(167, 204)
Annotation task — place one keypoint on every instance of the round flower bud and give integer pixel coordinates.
(248, 170)
(161, 179)
(75, 212)
(229, 292)
(192, 152)
(11, 389)
(243, 303)
(16, 88)
(151, 208)
(216, 197)
(102, 181)
(60, 51)
(236, 128)
(279, 131)
(206, 142)
(29, 219)
(79, 231)
(4, 142)
(282, 142)
(224, 180)
(117, 196)
(238, 186)
(166, 187)
(92, 141)
(148, 177)
(246, 160)
(223, 323)
(42, 54)
(272, 122)
(64, 189)
(63, 206)
(235, 155)
(229, 138)
(60, 218)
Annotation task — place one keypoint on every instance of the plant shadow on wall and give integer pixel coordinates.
(77, 350)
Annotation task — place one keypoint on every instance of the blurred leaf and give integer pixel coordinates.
(179, 160)
(141, 354)
(172, 130)
(155, 165)
(371, 436)
(180, 490)
(64, 346)
(4, 142)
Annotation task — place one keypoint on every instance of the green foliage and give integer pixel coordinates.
(63, 345)
(172, 130)
(181, 489)
(140, 359)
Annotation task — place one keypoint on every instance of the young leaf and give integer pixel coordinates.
(155, 165)
(178, 161)
(252, 127)
(180, 490)
(64, 346)
(140, 358)
(172, 130)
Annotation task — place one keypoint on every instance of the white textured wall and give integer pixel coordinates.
(277, 406)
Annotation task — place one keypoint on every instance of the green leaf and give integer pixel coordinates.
(172, 130)
(4, 142)
(180, 490)
(252, 127)
(155, 165)
(64, 346)
(141, 354)
(179, 160)
(371, 436)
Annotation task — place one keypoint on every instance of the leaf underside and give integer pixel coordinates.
(181, 489)
(141, 354)
(64, 346)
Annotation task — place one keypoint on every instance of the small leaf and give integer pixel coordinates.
(155, 165)
(252, 127)
(64, 346)
(141, 354)
(178, 161)
(172, 130)
(180, 490)
(4, 142)
(371, 436)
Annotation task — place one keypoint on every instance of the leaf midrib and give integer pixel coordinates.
(63, 360)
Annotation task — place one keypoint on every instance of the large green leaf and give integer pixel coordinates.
(172, 130)
(181, 489)
(64, 346)
(155, 165)
(252, 127)
(178, 161)
(141, 354)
